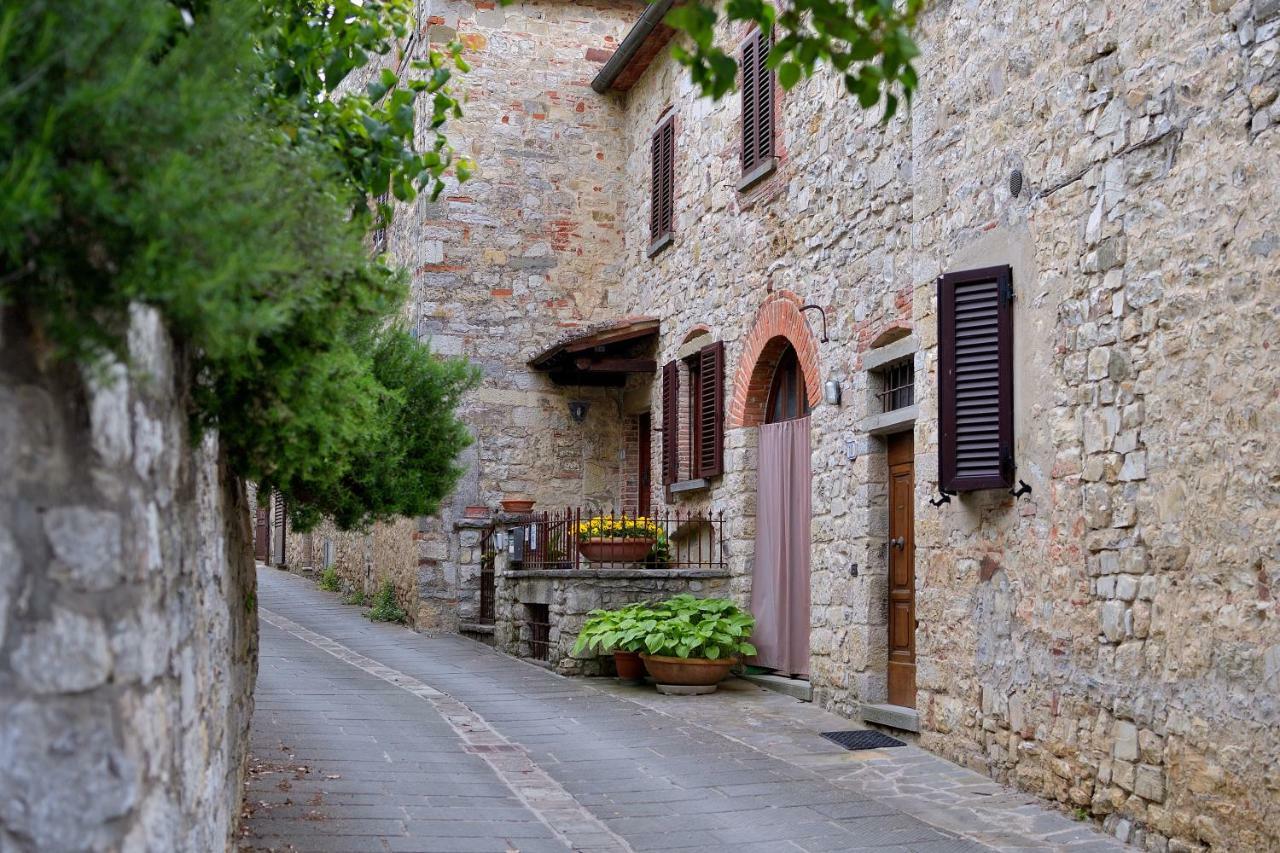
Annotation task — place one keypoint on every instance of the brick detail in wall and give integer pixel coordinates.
(778, 322)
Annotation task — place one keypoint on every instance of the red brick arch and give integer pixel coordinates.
(778, 322)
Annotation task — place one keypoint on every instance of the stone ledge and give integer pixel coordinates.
(758, 174)
(472, 523)
(475, 628)
(894, 716)
(695, 485)
(619, 574)
(899, 350)
(797, 688)
(896, 421)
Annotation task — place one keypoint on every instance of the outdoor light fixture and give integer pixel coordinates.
(578, 410)
(831, 392)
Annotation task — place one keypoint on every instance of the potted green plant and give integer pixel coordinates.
(622, 632)
(617, 539)
(693, 642)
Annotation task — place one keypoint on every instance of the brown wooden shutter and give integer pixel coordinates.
(710, 449)
(975, 379)
(757, 102)
(670, 423)
(662, 157)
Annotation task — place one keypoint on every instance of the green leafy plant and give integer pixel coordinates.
(329, 580)
(385, 608)
(356, 597)
(622, 630)
(683, 627)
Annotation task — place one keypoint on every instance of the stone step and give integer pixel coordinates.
(797, 688)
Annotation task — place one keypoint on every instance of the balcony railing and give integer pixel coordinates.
(688, 540)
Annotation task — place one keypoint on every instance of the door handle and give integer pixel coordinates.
(900, 543)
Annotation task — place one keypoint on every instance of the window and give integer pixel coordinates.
(899, 386)
(975, 379)
(757, 109)
(662, 160)
(788, 398)
(703, 421)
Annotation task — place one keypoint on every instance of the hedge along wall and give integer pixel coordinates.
(128, 631)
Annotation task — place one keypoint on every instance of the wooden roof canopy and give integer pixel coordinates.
(601, 354)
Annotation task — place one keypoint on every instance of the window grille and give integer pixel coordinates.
(899, 387)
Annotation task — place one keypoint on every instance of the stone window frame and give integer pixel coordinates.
(876, 363)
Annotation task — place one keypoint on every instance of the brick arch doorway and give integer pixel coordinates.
(775, 389)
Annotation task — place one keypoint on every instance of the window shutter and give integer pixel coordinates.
(662, 158)
(670, 423)
(975, 379)
(710, 450)
(757, 101)
(750, 122)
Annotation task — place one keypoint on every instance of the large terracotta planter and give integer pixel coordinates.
(692, 672)
(628, 666)
(615, 549)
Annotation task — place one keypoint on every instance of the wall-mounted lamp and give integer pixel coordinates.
(822, 311)
(578, 410)
(831, 392)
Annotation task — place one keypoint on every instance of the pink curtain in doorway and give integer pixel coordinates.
(780, 579)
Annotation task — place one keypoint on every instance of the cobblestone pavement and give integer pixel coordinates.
(370, 737)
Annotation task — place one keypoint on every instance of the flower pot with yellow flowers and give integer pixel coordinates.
(618, 539)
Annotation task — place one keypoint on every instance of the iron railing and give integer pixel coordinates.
(488, 590)
(539, 622)
(690, 540)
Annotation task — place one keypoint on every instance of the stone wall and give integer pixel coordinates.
(1109, 641)
(128, 630)
(570, 594)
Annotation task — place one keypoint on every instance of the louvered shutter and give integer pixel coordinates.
(975, 379)
(750, 119)
(710, 450)
(662, 157)
(670, 423)
(655, 189)
(757, 102)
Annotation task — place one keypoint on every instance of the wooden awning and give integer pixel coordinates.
(600, 354)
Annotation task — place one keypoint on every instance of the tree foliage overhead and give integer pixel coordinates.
(156, 154)
(867, 42)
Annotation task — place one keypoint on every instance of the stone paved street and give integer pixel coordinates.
(370, 737)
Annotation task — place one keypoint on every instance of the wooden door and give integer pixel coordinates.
(645, 474)
(902, 571)
(261, 535)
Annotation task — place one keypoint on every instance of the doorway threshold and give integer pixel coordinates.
(796, 688)
(893, 716)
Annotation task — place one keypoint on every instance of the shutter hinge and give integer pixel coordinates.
(1006, 292)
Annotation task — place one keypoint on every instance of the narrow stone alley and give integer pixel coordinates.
(371, 737)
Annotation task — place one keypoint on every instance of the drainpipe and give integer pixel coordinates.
(631, 44)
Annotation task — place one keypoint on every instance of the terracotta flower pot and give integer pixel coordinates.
(629, 666)
(517, 505)
(615, 549)
(692, 672)
(476, 511)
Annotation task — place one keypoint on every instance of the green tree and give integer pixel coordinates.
(867, 42)
(161, 155)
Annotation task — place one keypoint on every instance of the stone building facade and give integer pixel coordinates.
(1108, 637)
(128, 629)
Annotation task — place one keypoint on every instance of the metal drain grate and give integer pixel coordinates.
(862, 739)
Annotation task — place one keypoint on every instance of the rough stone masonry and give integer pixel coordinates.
(1109, 641)
(128, 633)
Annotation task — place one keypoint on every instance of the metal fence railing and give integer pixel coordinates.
(488, 590)
(685, 540)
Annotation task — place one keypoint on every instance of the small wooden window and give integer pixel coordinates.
(662, 158)
(975, 379)
(757, 104)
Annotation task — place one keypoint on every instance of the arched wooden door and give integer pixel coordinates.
(780, 580)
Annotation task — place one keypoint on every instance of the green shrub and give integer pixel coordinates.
(385, 608)
(356, 597)
(683, 627)
(329, 580)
